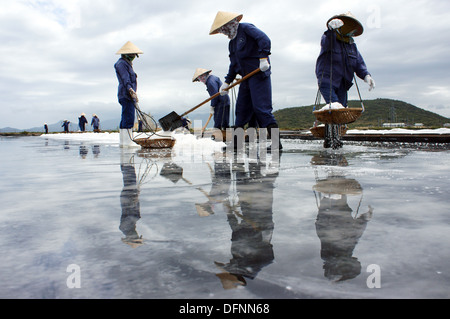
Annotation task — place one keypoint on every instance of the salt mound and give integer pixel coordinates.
(334, 106)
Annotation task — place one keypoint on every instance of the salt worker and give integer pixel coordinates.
(66, 124)
(335, 73)
(220, 105)
(339, 60)
(127, 91)
(95, 123)
(249, 49)
(82, 121)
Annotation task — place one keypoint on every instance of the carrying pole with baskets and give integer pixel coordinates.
(334, 120)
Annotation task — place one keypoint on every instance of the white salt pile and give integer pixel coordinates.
(333, 106)
(184, 141)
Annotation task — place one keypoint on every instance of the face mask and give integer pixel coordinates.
(230, 29)
(202, 78)
(130, 57)
(351, 33)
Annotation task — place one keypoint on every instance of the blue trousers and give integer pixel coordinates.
(222, 116)
(338, 94)
(255, 100)
(128, 114)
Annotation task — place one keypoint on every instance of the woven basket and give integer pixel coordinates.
(319, 131)
(338, 116)
(155, 142)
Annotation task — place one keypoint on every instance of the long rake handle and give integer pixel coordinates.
(218, 93)
(207, 122)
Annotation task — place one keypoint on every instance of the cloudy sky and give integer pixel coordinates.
(58, 55)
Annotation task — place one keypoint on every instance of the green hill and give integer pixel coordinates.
(376, 112)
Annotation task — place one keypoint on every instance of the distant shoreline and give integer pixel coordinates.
(21, 133)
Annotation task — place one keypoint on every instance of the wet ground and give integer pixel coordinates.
(87, 219)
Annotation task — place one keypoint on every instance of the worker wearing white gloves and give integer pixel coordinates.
(249, 49)
(340, 59)
(337, 64)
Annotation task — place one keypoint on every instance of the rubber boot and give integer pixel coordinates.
(337, 136)
(125, 138)
(238, 136)
(328, 136)
(278, 136)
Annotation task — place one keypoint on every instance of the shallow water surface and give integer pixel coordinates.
(87, 219)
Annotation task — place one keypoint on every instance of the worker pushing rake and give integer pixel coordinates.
(336, 66)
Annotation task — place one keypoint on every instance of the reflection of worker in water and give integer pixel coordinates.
(339, 231)
(252, 226)
(96, 150)
(219, 193)
(83, 151)
(129, 201)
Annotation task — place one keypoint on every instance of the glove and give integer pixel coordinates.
(264, 64)
(133, 95)
(335, 24)
(368, 79)
(211, 110)
(223, 88)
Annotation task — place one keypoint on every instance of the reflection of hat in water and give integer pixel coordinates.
(350, 24)
(133, 241)
(204, 209)
(129, 48)
(229, 280)
(199, 72)
(223, 18)
(172, 171)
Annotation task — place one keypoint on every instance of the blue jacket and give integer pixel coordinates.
(346, 60)
(249, 45)
(82, 121)
(213, 85)
(95, 121)
(127, 78)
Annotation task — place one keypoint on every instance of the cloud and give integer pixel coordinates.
(58, 55)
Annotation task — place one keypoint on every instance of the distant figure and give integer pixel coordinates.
(82, 121)
(95, 122)
(186, 122)
(66, 126)
(220, 105)
(46, 128)
(140, 126)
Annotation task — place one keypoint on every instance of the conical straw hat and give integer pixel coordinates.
(129, 48)
(199, 72)
(350, 23)
(223, 18)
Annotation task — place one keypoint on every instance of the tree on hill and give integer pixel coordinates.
(376, 112)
